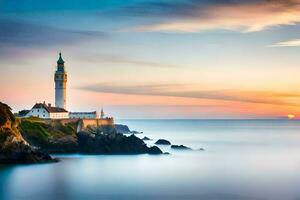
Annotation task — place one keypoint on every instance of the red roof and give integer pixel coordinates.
(49, 108)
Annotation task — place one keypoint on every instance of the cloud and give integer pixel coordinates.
(20, 33)
(289, 43)
(193, 91)
(19, 38)
(117, 59)
(242, 16)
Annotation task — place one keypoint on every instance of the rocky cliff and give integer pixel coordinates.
(13, 147)
(57, 137)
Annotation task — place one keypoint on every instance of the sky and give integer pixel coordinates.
(206, 59)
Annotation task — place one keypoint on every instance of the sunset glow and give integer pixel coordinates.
(223, 61)
(149, 99)
(291, 116)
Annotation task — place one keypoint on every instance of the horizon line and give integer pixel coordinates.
(287, 119)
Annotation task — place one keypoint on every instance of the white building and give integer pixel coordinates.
(84, 115)
(87, 115)
(44, 111)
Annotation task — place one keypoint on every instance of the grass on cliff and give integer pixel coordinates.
(39, 130)
(66, 129)
(35, 129)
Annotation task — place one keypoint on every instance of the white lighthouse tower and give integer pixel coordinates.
(60, 78)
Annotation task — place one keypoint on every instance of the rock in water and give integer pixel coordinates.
(154, 150)
(120, 128)
(146, 138)
(13, 148)
(113, 144)
(162, 142)
(180, 147)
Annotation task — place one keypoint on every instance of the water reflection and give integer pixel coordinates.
(255, 160)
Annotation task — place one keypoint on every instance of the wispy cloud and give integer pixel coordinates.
(242, 16)
(289, 43)
(193, 91)
(118, 59)
(20, 38)
(20, 33)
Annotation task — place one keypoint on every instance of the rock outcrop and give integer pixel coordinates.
(162, 142)
(123, 129)
(146, 138)
(113, 144)
(13, 147)
(180, 147)
(154, 150)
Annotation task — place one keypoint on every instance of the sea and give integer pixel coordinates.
(243, 159)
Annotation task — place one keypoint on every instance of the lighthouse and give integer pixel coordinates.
(60, 79)
(46, 111)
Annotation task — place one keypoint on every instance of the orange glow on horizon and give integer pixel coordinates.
(291, 116)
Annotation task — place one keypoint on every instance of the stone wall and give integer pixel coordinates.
(96, 122)
(84, 123)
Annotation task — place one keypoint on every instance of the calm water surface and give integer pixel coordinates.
(256, 159)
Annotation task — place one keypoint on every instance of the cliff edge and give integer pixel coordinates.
(13, 147)
(61, 137)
